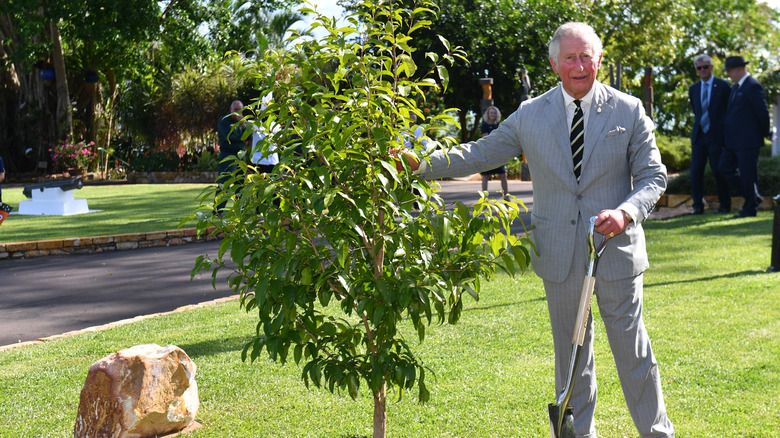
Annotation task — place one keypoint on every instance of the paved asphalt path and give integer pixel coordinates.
(467, 192)
(47, 296)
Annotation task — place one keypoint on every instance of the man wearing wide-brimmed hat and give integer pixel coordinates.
(746, 125)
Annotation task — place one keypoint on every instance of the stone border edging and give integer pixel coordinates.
(90, 245)
(674, 201)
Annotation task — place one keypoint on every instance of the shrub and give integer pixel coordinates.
(154, 161)
(69, 155)
(768, 179)
(675, 152)
(207, 162)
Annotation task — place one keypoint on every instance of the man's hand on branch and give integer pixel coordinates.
(397, 154)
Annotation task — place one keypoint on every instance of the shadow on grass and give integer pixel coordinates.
(709, 225)
(712, 277)
(214, 347)
(498, 306)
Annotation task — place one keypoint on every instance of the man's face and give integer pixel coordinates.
(576, 65)
(704, 70)
(236, 110)
(736, 73)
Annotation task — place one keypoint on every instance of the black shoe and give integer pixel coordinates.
(724, 210)
(742, 214)
(698, 210)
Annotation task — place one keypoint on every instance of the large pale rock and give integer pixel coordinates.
(142, 391)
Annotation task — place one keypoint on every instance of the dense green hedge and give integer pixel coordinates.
(768, 178)
(675, 152)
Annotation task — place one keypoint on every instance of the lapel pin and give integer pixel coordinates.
(599, 109)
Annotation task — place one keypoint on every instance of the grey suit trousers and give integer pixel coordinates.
(620, 304)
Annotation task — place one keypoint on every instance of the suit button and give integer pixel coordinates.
(573, 222)
(579, 197)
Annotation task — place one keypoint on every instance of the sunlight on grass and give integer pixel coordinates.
(128, 208)
(712, 311)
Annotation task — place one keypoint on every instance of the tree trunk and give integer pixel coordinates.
(64, 116)
(26, 119)
(110, 105)
(380, 413)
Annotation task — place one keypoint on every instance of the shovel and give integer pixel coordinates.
(561, 417)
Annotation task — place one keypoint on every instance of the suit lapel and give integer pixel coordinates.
(697, 96)
(556, 114)
(600, 111)
(716, 90)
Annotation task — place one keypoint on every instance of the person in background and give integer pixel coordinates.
(2, 177)
(591, 152)
(230, 144)
(491, 118)
(709, 99)
(746, 125)
(5, 209)
(264, 162)
(414, 133)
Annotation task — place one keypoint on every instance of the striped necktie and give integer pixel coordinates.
(577, 139)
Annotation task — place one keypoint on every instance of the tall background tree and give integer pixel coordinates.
(503, 37)
(113, 60)
(106, 70)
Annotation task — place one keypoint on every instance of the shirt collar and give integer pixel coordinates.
(585, 101)
(742, 81)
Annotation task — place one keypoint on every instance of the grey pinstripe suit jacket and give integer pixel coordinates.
(621, 169)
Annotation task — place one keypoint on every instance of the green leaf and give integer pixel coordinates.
(306, 278)
(421, 332)
(406, 66)
(353, 384)
(471, 291)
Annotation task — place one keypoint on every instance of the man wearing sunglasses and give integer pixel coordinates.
(709, 99)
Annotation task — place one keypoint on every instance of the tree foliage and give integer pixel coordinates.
(119, 59)
(505, 36)
(329, 249)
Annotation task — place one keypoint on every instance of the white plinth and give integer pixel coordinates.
(53, 201)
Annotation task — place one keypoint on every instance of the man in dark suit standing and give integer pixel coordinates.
(709, 100)
(746, 125)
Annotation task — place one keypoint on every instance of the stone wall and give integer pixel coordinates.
(89, 245)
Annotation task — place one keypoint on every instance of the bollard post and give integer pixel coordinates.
(775, 267)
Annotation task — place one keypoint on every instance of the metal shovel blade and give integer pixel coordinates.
(561, 423)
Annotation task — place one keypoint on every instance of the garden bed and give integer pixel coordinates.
(170, 177)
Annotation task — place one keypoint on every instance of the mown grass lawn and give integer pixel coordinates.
(712, 311)
(125, 208)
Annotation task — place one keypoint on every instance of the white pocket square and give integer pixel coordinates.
(616, 131)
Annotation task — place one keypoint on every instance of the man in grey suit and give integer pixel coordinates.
(618, 178)
(709, 99)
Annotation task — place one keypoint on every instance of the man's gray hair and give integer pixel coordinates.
(574, 29)
(702, 58)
